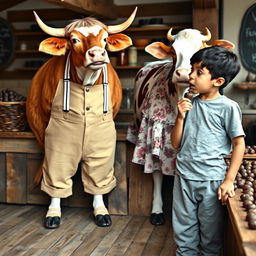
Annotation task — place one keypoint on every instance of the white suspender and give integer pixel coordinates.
(66, 84)
(105, 90)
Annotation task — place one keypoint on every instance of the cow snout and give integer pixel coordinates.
(97, 55)
(182, 75)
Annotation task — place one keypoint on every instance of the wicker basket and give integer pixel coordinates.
(13, 116)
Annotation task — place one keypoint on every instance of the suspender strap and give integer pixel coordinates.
(66, 84)
(105, 90)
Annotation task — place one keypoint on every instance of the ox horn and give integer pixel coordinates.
(123, 26)
(208, 35)
(169, 35)
(60, 32)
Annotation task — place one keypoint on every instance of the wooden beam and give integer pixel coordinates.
(44, 14)
(204, 4)
(159, 9)
(8, 4)
(100, 8)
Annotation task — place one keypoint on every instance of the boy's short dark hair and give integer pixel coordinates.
(220, 62)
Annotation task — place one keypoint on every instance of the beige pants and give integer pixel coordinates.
(84, 134)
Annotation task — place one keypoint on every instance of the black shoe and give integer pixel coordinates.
(157, 219)
(52, 222)
(103, 220)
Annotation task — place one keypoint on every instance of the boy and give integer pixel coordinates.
(204, 131)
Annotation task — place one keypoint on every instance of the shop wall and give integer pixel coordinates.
(233, 12)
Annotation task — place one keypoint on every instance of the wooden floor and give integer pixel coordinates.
(22, 233)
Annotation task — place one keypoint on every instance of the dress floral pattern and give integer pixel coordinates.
(153, 147)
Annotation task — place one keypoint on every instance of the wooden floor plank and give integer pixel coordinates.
(22, 234)
(126, 238)
(141, 239)
(110, 239)
(91, 240)
(8, 238)
(157, 240)
(169, 245)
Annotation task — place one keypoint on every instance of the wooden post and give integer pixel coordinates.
(16, 176)
(117, 199)
(205, 13)
(140, 188)
(3, 178)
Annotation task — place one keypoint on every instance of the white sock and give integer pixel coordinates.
(157, 204)
(55, 203)
(98, 201)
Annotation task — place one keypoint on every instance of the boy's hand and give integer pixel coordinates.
(226, 190)
(184, 105)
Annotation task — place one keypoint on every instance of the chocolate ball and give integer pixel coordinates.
(252, 224)
(247, 203)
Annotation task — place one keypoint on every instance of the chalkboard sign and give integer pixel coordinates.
(6, 43)
(247, 39)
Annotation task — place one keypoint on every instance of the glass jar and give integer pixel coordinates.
(132, 56)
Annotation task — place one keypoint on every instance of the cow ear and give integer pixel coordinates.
(54, 46)
(118, 42)
(159, 50)
(224, 43)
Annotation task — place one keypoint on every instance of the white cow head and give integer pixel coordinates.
(184, 45)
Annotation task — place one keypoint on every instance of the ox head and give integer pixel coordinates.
(183, 46)
(87, 40)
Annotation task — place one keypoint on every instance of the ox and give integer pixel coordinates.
(71, 104)
(158, 86)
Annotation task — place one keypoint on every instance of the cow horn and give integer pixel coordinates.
(169, 35)
(208, 35)
(60, 32)
(121, 27)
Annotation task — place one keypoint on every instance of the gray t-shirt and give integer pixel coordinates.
(209, 127)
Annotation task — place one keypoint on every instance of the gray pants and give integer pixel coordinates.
(197, 217)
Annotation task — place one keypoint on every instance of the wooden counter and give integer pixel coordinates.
(240, 239)
(20, 158)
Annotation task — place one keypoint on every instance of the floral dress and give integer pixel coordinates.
(152, 141)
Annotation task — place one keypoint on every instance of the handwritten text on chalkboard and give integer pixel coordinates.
(247, 39)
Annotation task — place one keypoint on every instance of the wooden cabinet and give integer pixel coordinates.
(20, 158)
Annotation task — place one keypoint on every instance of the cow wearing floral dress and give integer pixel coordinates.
(158, 87)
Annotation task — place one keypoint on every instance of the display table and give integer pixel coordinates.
(240, 239)
(20, 158)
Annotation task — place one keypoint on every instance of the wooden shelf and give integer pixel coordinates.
(245, 236)
(30, 54)
(127, 67)
(246, 156)
(27, 69)
(246, 85)
(18, 74)
(29, 33)
(158, 28)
